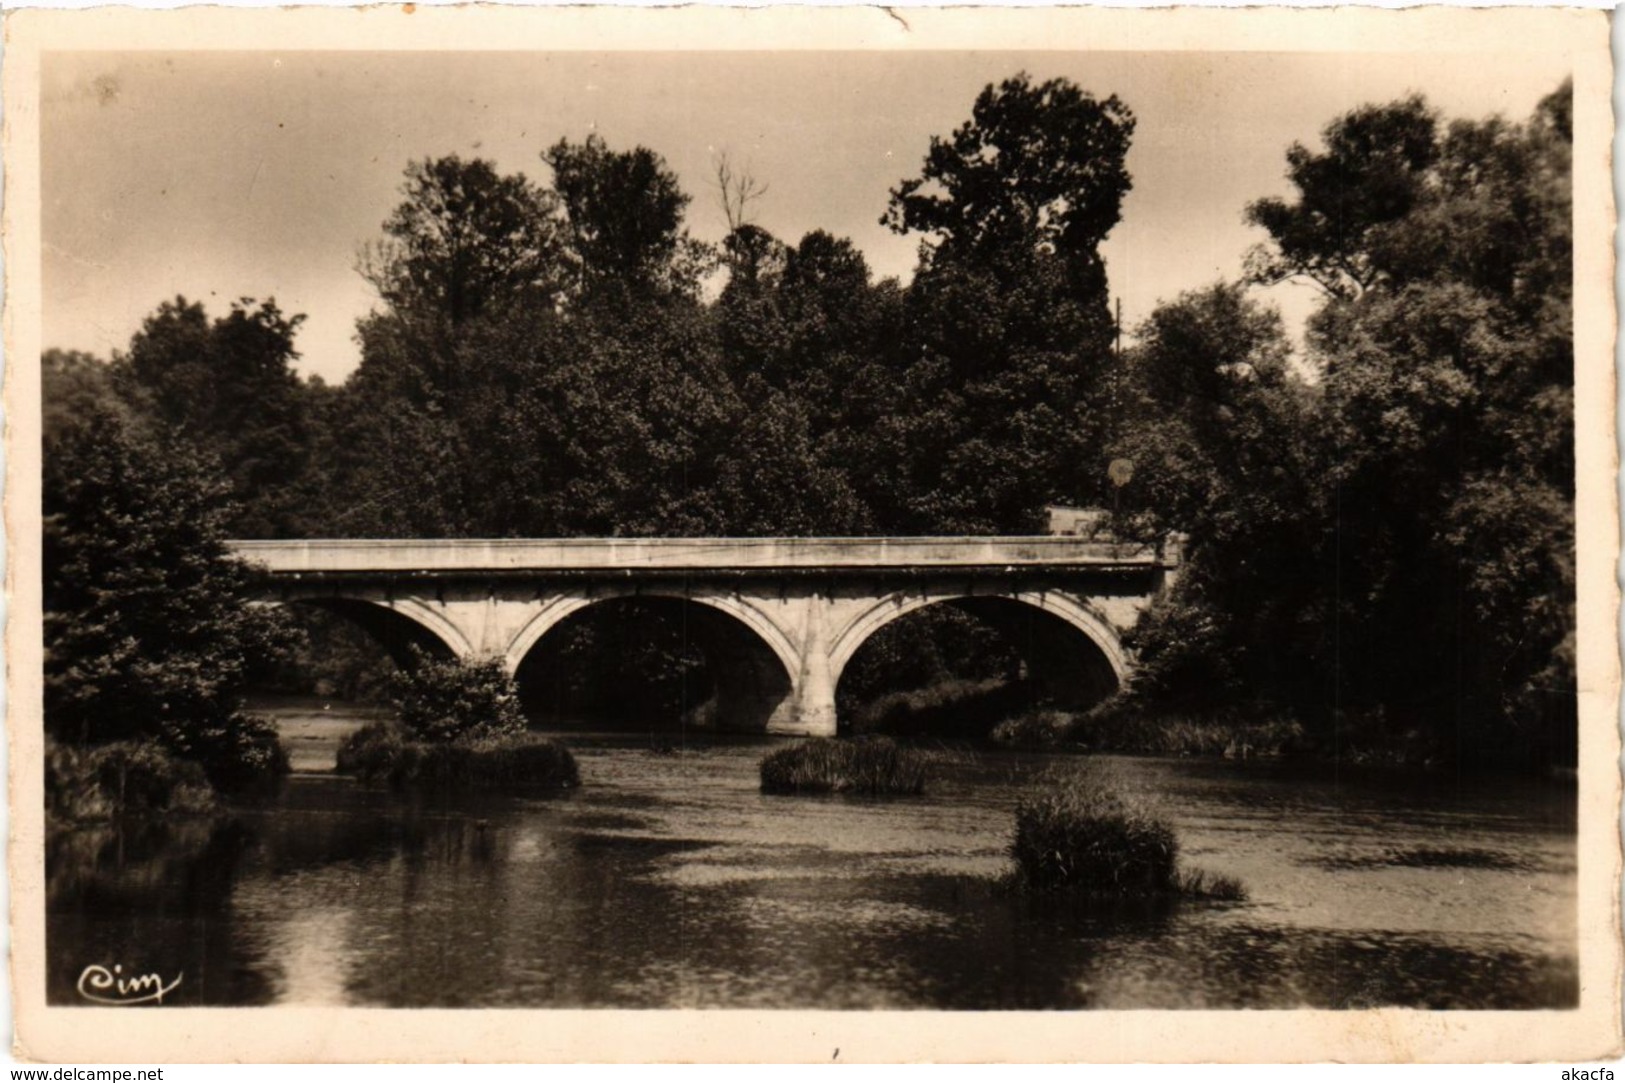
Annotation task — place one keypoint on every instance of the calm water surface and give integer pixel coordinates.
(667, 880)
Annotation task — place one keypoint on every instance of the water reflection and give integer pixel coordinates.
(668, 881)
(153, 898)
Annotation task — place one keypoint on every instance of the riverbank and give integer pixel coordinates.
(1002, 713)
(314, 729)
(1352, 742)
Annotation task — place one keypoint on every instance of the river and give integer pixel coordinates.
(668, 881)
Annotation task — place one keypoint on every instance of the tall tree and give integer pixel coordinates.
(466, 239)
(1224, 443)
(1038, 169)
(624, 211)
(1009, 327)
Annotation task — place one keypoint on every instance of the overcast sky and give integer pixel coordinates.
(224, 175)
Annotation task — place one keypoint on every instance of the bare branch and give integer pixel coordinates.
(738, 189)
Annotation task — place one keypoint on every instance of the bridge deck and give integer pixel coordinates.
(518, 555)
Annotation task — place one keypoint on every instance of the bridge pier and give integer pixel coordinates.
(812, 710)
(811, 705)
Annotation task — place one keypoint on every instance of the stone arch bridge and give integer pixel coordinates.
(778, 619)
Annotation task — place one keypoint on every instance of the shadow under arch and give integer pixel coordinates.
(746, 681)
(399, 627)
(1074, 659)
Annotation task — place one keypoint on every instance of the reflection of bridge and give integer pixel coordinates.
(777, 618)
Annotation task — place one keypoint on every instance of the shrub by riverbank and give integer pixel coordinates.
(1085, 835)
(240, 754)
(950, 709)
(1109, 730)
(385, 752)
(1180, 735)
(91, 784)
(872, 765)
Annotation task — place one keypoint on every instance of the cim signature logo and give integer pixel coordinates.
(104, 986)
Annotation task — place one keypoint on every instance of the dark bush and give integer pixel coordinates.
(875, 765)
(372, 751)
(1119, 726)
(521, 762)
(1035, 729)
(955, 709)
(104, 782)
(385, 752)
(238, 753)
(439, 700)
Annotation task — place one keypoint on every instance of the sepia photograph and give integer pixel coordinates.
(987, 515)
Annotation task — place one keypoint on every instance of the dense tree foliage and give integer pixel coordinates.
(147, 635)
(1391, 538)
(447, 700)
(1353, 198)
(465, 241)
(624, 211)
(1007, 323)
(1221, 436)
(226, 387)
(1380, 527)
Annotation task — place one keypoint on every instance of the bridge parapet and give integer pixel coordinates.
(824, 555)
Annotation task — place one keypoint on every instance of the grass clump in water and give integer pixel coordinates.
(1086, 835)
(386, 752)
(874, 765)
(1201, 884)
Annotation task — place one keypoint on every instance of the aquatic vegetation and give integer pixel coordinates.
(871, 765)
(1232, 738)
(371, 751)
(385, 752)
(459, 726)
(1086, 836)
(95, 783)
(1201, 884)
(1084, 833)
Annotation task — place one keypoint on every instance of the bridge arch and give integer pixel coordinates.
(1084, 662)
(900, 604)
(396, 623)
(563, 606)
(750, 660)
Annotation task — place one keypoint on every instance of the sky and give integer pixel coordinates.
(219, 176)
